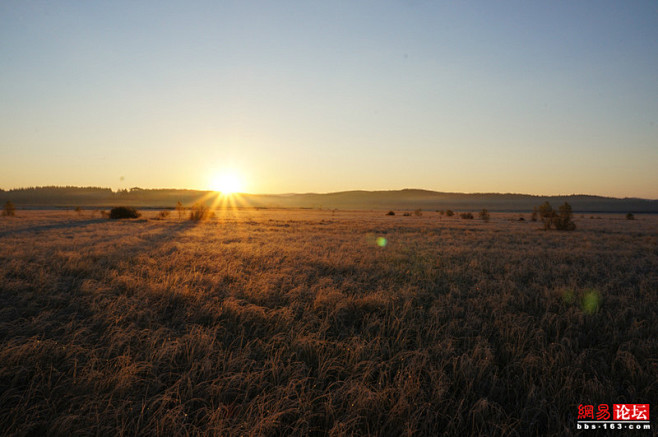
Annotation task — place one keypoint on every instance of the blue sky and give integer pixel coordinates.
(554, 97)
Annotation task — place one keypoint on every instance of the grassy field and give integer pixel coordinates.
(318, 322)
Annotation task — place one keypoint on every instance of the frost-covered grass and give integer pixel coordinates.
(278, 322)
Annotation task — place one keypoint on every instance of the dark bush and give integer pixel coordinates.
(407, 214)
(418, 212)
(124, 212)
(630, 216)
(561, 221)
(390, 213)
(546, 213)
(466, 215)
(449, 213)
(484, 215)
(9, 210)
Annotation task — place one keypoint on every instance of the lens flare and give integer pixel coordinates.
(590, 302)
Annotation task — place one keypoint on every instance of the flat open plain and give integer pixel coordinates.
(280, 322)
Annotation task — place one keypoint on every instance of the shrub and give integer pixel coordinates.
(199, 212)
(630, 216)
(78, 210)
(9, 210)
(484, 215)
(390, 213)
(407, 214)
(466, 215)
(124, 212)
(449, 212)
(418, 212)
(546, 213)
(561, 221)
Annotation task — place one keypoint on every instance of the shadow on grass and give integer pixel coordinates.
(63, 326)
(62, 225)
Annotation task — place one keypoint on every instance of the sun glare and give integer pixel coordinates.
(227, 183)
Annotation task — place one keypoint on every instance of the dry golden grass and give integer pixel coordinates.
(305, 322)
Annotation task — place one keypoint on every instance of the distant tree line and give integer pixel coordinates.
(97, 196)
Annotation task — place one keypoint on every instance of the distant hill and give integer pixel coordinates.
(406, 199)
(433, 200)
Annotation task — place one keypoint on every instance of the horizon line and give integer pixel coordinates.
(118, 190)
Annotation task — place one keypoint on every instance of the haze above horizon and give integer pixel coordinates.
(511, 97)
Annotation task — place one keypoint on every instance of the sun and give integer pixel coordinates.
(227, 183)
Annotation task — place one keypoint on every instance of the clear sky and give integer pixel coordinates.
(541, 97)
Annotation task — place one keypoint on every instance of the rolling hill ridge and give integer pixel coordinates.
(406, 199)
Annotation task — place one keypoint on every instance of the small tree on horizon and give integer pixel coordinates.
(484, 215)
(180, 209)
